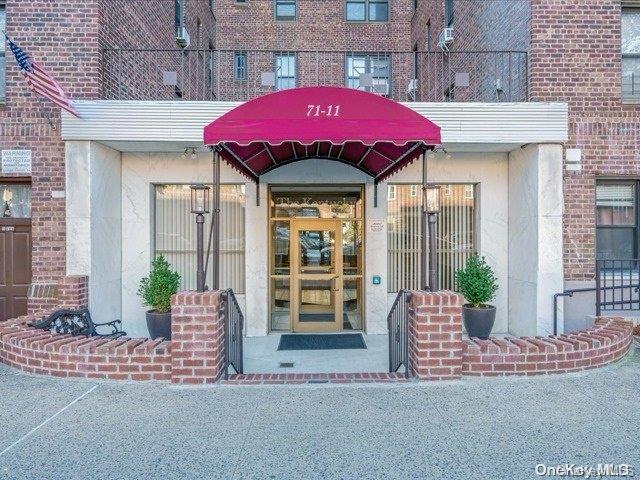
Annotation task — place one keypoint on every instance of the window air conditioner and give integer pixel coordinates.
(182, 37)
(446, 37)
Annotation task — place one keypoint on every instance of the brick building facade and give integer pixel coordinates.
(68, 37)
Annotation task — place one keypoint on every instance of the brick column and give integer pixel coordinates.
(435, 335)
(197, 336)
(73, 292)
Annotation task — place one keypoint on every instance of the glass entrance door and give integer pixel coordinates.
(316, 275)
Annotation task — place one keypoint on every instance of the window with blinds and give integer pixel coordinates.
(175, 234)
(455, 231)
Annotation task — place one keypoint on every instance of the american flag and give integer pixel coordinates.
(40, 81)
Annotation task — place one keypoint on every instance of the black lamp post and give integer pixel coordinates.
(200, 206)
(432, 206)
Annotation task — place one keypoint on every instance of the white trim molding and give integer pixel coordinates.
(171, 125)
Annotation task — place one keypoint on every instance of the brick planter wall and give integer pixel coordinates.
(44, 353)
(608, 341)
(435, 335)
(437, 351)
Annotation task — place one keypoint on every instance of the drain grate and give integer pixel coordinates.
(286, 364)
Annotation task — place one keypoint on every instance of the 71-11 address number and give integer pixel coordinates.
(323, 111)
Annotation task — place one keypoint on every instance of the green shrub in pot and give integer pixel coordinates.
(155, 291)
(478, 285)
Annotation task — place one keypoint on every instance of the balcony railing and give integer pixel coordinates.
(490, 76)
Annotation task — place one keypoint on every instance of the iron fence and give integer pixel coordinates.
(398, 326)
(617, 285)
(228, 75)
(233, 328)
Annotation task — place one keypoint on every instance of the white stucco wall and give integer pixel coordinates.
(535, 238)
(93, 179)
(140, 171)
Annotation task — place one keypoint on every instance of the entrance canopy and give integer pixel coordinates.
(367, 131)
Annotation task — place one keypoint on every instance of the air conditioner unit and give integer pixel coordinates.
(412, 89)
(182, 37)
(413, 85)
(446, 37)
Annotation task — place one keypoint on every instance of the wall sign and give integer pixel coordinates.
(375, 225)
(16, 161)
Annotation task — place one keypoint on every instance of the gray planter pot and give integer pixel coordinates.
(478, 321)
(159, 324)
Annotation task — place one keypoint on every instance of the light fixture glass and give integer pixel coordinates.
(200, 199)
(432, 199)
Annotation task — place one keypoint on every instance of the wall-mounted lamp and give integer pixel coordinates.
(193, 151)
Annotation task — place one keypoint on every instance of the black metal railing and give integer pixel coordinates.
(233, 328)
(398, 325)
(617, 285)
(232, 75)
(617, 288)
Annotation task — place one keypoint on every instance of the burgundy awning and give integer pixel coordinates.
(367, 131)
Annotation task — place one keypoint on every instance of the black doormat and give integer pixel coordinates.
(317, 341)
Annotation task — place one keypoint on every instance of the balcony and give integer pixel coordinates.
(489, 76)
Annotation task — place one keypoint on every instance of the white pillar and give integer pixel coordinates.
(535, 238)
(94, 222)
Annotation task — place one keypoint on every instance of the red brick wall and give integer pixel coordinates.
(607, 342)
(435, 335)
(498, 27)
(197, 334)
(575, 57)
(150, 24)
(320, 26)
(65, 37)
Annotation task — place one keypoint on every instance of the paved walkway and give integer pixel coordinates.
(469, 429)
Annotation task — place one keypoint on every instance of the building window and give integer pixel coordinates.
(175, 234)
(240, 66)
(210, 65)
(448, 12)
(631, 54)
(455, 234)
(369, 72)
(2, 57)
(178, 10)
(285, 9)
(617, 219)
(15, 200)
(285, 70)
(367, 10)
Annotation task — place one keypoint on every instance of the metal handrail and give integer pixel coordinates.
(398, 328)
(233, 333)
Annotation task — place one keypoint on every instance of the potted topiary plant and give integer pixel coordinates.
(156, 291)
(478, 284)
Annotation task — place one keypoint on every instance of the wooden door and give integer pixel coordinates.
(15, 266)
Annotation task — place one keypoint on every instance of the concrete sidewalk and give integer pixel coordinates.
(468, 429)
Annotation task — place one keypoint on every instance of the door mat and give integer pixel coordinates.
(334, 341)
